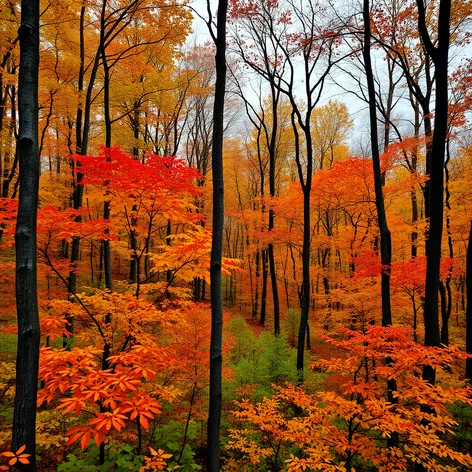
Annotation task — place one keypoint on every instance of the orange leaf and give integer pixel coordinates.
(21, 449)
(143, 421)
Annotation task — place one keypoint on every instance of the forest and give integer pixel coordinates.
(235, 235)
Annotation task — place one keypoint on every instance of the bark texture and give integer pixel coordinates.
(216, 356)
(27, 362)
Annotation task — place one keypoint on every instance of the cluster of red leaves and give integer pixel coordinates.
(53, 224)
(405, 275)
(158, 182)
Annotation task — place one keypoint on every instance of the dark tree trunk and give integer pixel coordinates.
(106, 250)
(133, 268)
(27, 361)
(306, 184)
(77, 195)
(107, 117)
(216, 342)
(9, 173)
(439, 55)
(265, 274)
(414, 199)
(385, 237)
(445, 287)
(255, 308)
(444, 314)
(468, 313)
(80, 82)
(168, 243)
(270, 250)
(82, 134)
(305, 291)
(275, 292)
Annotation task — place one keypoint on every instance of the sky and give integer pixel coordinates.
(356, 107)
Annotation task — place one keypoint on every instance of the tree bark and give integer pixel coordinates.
(270, 250)
(439, 55)
(468, 313)
(81, 145)
(107, 117)
(216, 296)
(445, 287)
(265, 274)
(305, 291)
(27, 362)
(385, 237)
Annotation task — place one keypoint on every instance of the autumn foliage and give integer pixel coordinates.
(124, 238)
(346, 426)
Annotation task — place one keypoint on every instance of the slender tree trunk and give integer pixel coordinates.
(255, 308)
(270, 250)
(275, 292)
(415, 319)
(80, 81)
(216, 342)
(133, 267)
(385, 237)
(468, 313)
(9, 173)
(27, 360)
(439, 55)
(265, 274)
(168, 243)
(444, 314)
(414, 199)
(306, 184)
(107, 117)
(389, 104)
(445, 287)
(82, 134)
(305, 291)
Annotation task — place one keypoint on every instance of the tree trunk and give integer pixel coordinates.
(275, 292)
(81, 145)
(468, 313)
(27, 361)
(385, 237)
(262, 317)
(216, 342)
(255, 307)
(272, 154)
(107, 117)
(439, 55)
(445, 287)
(414, 199)
(305, 291)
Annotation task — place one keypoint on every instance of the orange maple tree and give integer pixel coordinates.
(345, 426)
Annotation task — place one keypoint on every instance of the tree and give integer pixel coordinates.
(313, 45)
(385, 236)
(8, 93)
(346, 429)
(440, 56)
(267, 65)
(216, 295)
(24, 416)
(468, 315)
